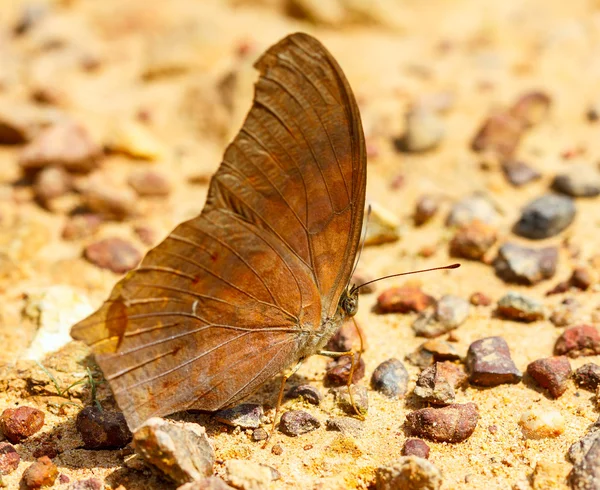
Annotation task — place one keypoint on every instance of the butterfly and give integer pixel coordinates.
(260, 279)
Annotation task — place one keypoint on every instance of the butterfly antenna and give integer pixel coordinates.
(451, 266)
(362, 240)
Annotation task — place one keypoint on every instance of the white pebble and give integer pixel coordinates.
(540, 423)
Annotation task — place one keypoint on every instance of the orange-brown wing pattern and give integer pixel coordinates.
(230, 297)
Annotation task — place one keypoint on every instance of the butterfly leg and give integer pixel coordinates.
(354, 360)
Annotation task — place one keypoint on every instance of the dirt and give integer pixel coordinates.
(162, 65)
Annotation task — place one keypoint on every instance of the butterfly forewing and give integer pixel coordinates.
(232, 297)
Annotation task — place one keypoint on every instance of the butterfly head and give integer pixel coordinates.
(349, 302)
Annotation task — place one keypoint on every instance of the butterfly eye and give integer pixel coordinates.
(349, 303)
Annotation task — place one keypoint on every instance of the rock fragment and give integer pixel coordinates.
(18, 424)
(524, 265)
(566, 313)
(42, 473)
(102, 429)
(415, 447)
(50, 183)
(384, 226)
(9, 458)
(471, 208)
(425, 209)
(81, 226)
(581, 340)
(108, 200)
(480, 299)
(588, 376)
(437, 384)
(581, 180)
(390, 378)
(149, 183)
(519, 173)
(551, 373)
(359, 395)
(307, 392)
(489, 363)
(114, 254)
(540, 423)
(424, 131)
(297, 422)
(338, 371)
(408, 473)
(500, 135)
(453, 423)
(346, 338)
(404, 299)
(134, 140)
(432, 351)
(245, 415)
(473, 240)
(518, 307)
(545, 217)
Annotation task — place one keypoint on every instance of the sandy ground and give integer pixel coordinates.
(482, 55)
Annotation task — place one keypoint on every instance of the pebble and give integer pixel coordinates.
(588, 376)
(582, 278)
(338, 371)
(248, 475)
(519, 173)
(415, 447)
(345, 339)
(432, 351)
(359, 394)
(180, 450)
(50, 183)
(384, 226)
(149, 183)
(102, 429)
(531, 108)
(545, 217)
(134, 140)
(408, 473)
(114, 254)
(489, 363)
(424, 131)
(585, 454)
(566, 313)
(404, 299)
(518, 307)
(88, 484)
(390, 378)
(260, 434)
(473, 240)
(540, 423)
(500, 135)
(307, 392)
(297, 422)
(9, 458)
(581, 340)
(551, 373)
(210, 483)
(582, 180)
(450, 312)
(453, 423)
(426, 208)
(145, 234)
(578, 449)
(245, 415)
(475, 207)
(525, 265)
(66, 144)
(81, 226)
(108, 200)
(437, 384)
(42, 473)
(18, 424)
(348, 426)
(480, 299)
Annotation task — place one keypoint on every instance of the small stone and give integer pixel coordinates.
(102, 429)
(415, 447)
(248, 475)
(524, 265)
(582, 180)
(473, 240)
(424, 131)
(63, 479)
(390, 378)
(408, 473)
(588, 376)
(50, 183)
(551, 373)
(338, 371)
(108, 200)
(545, 217)
(566, 313)
(210, 483)
(134, 140)
(309, 393)
(518, 307)
(115, 254)
(245, 415)
(453, 423)
(469, 209)
(451, 311)
(346, 338)
(425, 209)
(531, 108)
(500, 135)
(582, 278)
(81, 226)
(585, 455)
(297, 422)
(9, 458)
(432, 351)
(149, 183)
(489, 363)
(145, 234)
(259, 434)
(480, 299)
(66, 145)
(277, 450)
(346, 425)
(540, 423)
(437, 384)
(578, 449)
(360, 396)
(384, 226)
(42, 473)
(581, 340)
(404, 299)
(519, 173)
(18, 424)
(88, 484)
(180, 450)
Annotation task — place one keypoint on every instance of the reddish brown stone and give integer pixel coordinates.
(338, 371)
(432, 351)
(415, 447)
(9, 458)
(531, 108)
(425, 209)
(581, 340)
(42, 473)
(404, 299)
(102, 429)
(551, 373)
(81, 226)
(437, 384)
(114, 254)
(473, 241)
(489, 363)
(499, 134)
(480, 299)
(346, 338)
(18, 424)
(453, 423)
(149, 183)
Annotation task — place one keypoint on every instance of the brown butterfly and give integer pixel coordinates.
(260, 279)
